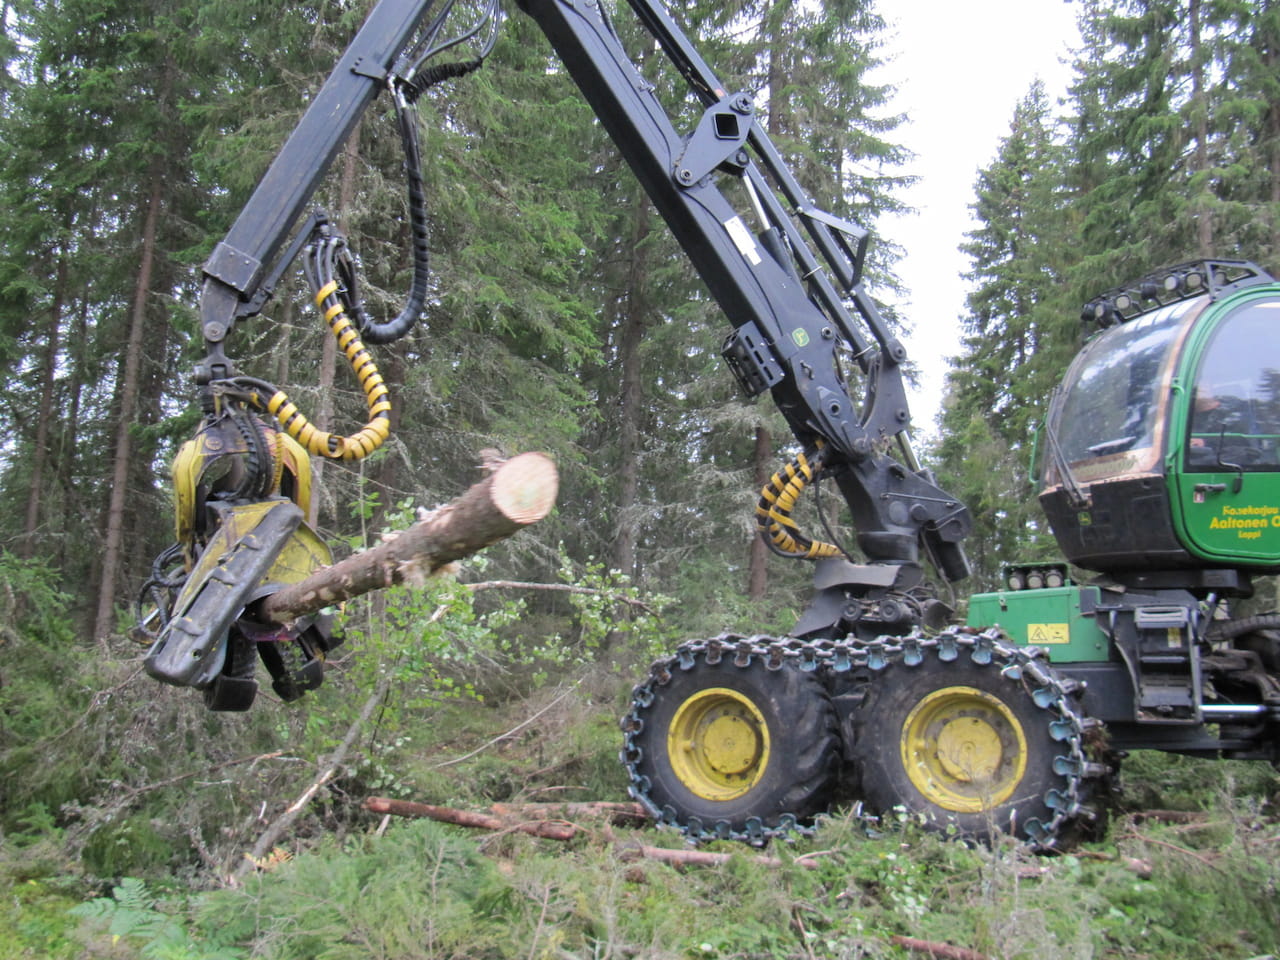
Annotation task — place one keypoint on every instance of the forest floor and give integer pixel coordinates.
(1188, 866)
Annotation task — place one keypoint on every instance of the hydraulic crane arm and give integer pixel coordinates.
(241, 273)
(791, 326)
(787, 275)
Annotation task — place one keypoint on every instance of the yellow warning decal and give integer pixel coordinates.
(1048, 633)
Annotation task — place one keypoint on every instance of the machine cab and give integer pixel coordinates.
(1164, 436)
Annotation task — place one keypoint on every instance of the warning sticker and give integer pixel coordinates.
(743, 240)
(1048, 633)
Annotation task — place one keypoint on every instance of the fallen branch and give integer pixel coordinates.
(943, 951)
(1133, 864)
(1174, 847)
(551, 830)
(518, 492)
(538, 825)
(131, 792)
(697, 858)
(277, 828)
(1169, 816)
(536, 819)
(620, 814)
(505, 736)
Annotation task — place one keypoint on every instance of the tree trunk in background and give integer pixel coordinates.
(129, 379)
(1270, 56)
(762, 451)
(65, 464)
(387, 474)
(631, 326)
(45, 414)
(4, 64)
(288, 317)
(1201, 209)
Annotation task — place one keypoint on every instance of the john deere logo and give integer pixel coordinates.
(800, 336)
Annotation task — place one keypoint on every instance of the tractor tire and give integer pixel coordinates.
(965, 747)
(733, 749)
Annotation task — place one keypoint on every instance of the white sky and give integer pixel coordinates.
(960, 69)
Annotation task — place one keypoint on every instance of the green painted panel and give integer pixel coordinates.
(1048, 618)
(1224, 460)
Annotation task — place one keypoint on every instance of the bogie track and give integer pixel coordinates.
(737, 737)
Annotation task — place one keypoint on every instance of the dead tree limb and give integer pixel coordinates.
(1169, 816)
(703, 858)
(520, 491)
(505, 736)
(552, 830)
(641, 605)
(618, 813)
(277, 828)
(942, 951)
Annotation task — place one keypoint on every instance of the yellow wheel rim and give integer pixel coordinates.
(963, 749)
(718, 744)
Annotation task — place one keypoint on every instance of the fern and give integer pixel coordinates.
(132, 913)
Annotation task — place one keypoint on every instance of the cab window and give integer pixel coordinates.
(1235, 410)
(1110, 414)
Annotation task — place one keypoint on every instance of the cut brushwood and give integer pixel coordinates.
(516, 493)
(550, 829)
(552, 822)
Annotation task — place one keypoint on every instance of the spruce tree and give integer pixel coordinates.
(1019, 332)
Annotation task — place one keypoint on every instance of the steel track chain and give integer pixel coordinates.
(1052, 693)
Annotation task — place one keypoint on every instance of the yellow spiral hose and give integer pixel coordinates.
(773, 513)
(318, 442)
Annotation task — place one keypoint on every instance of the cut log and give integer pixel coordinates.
(517, 492)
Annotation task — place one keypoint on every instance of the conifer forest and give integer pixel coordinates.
(562, 317)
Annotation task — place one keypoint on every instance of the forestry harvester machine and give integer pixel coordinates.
(1162, 476)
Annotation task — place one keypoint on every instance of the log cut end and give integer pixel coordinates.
(524, 488)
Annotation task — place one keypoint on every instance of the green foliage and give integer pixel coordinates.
(31, 602)
(427, 890)
(35, 920)
(423, 892)
(129, 845)
(132, 913)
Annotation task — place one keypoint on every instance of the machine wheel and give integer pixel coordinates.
(731, 748)
(969, 746)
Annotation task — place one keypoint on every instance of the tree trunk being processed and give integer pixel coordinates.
(517, 492)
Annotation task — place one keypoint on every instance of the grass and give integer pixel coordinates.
(427, 890)
(347, 886)
(1204, 889)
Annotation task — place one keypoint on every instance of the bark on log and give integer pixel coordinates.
(518, 492)
(531, 818)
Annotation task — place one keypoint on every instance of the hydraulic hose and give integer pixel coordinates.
(773, 512)
(385, 332)
(319, 442)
